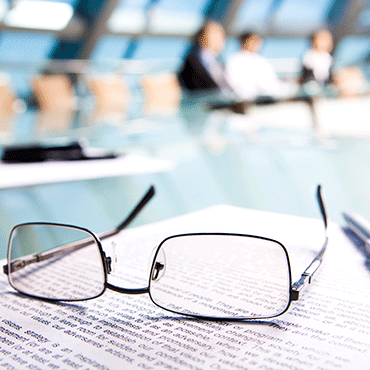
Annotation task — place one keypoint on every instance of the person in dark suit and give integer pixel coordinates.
(201, 69)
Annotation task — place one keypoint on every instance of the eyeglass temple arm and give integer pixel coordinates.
(39, 257)
(306, 277)
(16, 265)
(144, 200)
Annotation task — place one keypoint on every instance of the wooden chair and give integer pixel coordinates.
(9, 102)
(54, 92)
(47, 122)
(350, 82)
(7, 99)
(162, 93)
(110, 92)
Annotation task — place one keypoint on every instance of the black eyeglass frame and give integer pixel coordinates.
(291, 294)
(294, 290)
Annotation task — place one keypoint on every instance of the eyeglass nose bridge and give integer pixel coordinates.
(156, 272)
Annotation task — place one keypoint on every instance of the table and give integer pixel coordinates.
(269, 160)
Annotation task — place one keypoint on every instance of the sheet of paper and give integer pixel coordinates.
(25, 174)
(328, 328)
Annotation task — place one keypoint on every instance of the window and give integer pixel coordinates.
(279, 47)
(129, 17)
(352, 50)
(286, 16)
(39, 14)
(110, 47)
(175, 17)
(301, 16)
(252, 15)
(23, 51)
(162, 53)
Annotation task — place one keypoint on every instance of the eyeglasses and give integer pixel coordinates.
(206, 275)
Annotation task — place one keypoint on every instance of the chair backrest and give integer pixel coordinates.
(8, 99)
(54, 92)
(110, 92)
(350, 81)
(47, 122)
(162, 92)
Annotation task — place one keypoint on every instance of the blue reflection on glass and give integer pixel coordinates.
(28, 48)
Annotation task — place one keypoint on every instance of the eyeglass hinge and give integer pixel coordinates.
(298, 285)
(294, 294)
(14, 266)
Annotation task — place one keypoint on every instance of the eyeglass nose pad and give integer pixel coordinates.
(159, 266)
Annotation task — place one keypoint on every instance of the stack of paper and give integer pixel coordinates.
(328, 328)
(25, 174)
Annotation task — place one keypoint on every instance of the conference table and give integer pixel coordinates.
(201, 161)
(270, 159)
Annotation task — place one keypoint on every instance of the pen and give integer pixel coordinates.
(360, 226)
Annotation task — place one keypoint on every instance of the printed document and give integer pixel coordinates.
(327, 329)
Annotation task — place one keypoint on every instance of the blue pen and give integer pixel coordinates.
(360, 226)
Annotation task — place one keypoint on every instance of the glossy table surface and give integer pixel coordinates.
(269, 159)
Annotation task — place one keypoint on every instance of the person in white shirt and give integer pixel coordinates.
(249, 74)
(317, 61)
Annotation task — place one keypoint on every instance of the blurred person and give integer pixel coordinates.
(202, 69)
(249, 74)
(317, 61)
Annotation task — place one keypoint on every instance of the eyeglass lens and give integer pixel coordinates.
(55, 262)
(209, 275)
(221, 276)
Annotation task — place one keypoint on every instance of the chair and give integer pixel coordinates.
(110, 92)
(10, 105)
(47, 122)
(7, 98)
(350, 82)
(162, 93)
(9, 102)
(54, 92)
